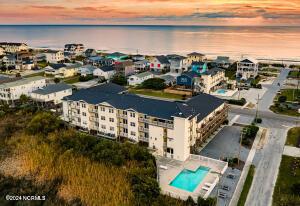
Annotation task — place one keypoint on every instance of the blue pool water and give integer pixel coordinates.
(188, 180)
(221, 91)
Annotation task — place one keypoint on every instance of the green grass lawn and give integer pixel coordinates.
(291, 94)
(230, 74)
(270, 69)
(289, 112)
(153, 93)
(247, 186)
(36, 74)
(294, 74)
(293, 136)
(287, 176)
(256, 80)
(71, 80)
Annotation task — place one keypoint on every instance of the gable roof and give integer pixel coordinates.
(57, 66)
(249, 60)
(163, 59)
(144, 74)
(190, 74)
(195, 54)
(212, 71)
(107, 68)
(52, 88)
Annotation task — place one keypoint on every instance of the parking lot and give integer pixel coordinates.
(226, 144)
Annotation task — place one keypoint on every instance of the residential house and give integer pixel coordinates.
(69, 71)
(125, 67)
(247, 69)
(199, 67)
(117, 56)
(90, 53)
(26, 64)
(188, 79)
(2, 50)
(139, 78)
(222, 62)
(138, 57)
(86, 70)
(105, 71)
(141, 65)
(54, 56)
(53, 69)
(9, 60)
(73, 50)
(12, 91)
(212, 79)
(177, 63)
(171, 129)
(160, 64)
(11, 47)
(52, 93)
(169, 79)
(99, 61)
(194, 57)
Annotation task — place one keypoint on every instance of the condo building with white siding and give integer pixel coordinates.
(12, 91)
(172, 129)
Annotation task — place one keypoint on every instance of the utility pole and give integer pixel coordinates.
(256, 113)
(240, 147)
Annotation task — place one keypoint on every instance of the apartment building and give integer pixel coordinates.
(52, 93)
(12, 91)
(212, 79)
(54, 56)
(170, 128)
(247, 68)
(194, 57)
(11, 47)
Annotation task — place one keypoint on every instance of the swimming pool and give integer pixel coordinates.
(189, 180)
(221, 91)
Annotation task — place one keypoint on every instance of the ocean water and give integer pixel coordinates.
(259, 42)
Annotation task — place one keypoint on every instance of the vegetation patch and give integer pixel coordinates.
(155, 93)
(293, 137)
(287, 188)
(294, 74)
(247, 186)
(240, 102)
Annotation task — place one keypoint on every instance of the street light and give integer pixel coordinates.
(243, 132)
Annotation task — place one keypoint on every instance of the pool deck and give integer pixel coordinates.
(174, 167)
(227, 94)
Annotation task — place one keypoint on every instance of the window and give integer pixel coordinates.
(125, 130)
(111, 110)
(96, 124)
(102, 109)
(103, 126)
(152, 65)
(111, 119)
(132, 114)
(84, 114)
(170, 150)
(111, 128)
(132, 124)
(147, 125)
(96, 107)
(96, 115)
(102, 118)
(132, 133)
(124, 112)
(83, 105)
(158, 65)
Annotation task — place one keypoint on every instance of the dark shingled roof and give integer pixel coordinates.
(213, 71)
(107, 68)
(163, 59)
(199, 106)
(195, 54)
(191, 74)
(57, 66)
(52, 88)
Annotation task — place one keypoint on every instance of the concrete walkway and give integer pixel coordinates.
(291, 151)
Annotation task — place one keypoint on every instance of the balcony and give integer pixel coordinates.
(141, 119)
(143, 129)
(94, 119)
(122, 115)
(93, 110)
(143, 139)
(122, 134)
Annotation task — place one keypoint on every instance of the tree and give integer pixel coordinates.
(56, 80)
(282, 99)
(296, 189)
(24, 99)
(43, 123)
(206, 202)
(119, 79)
(154, 83)
(18, 74)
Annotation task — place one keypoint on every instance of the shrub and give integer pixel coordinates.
(258, 120)
(206, 202)
(56, 80)
(119, 79)
(154, 83)
(282, 99)
(240, 102)
(43, 123)
(296, 189)
(250, 131)
(85, 78)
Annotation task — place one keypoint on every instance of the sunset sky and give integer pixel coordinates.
(164, 12)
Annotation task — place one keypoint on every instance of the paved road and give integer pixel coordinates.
(263, 114)
(272, 89)
(267, 169)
